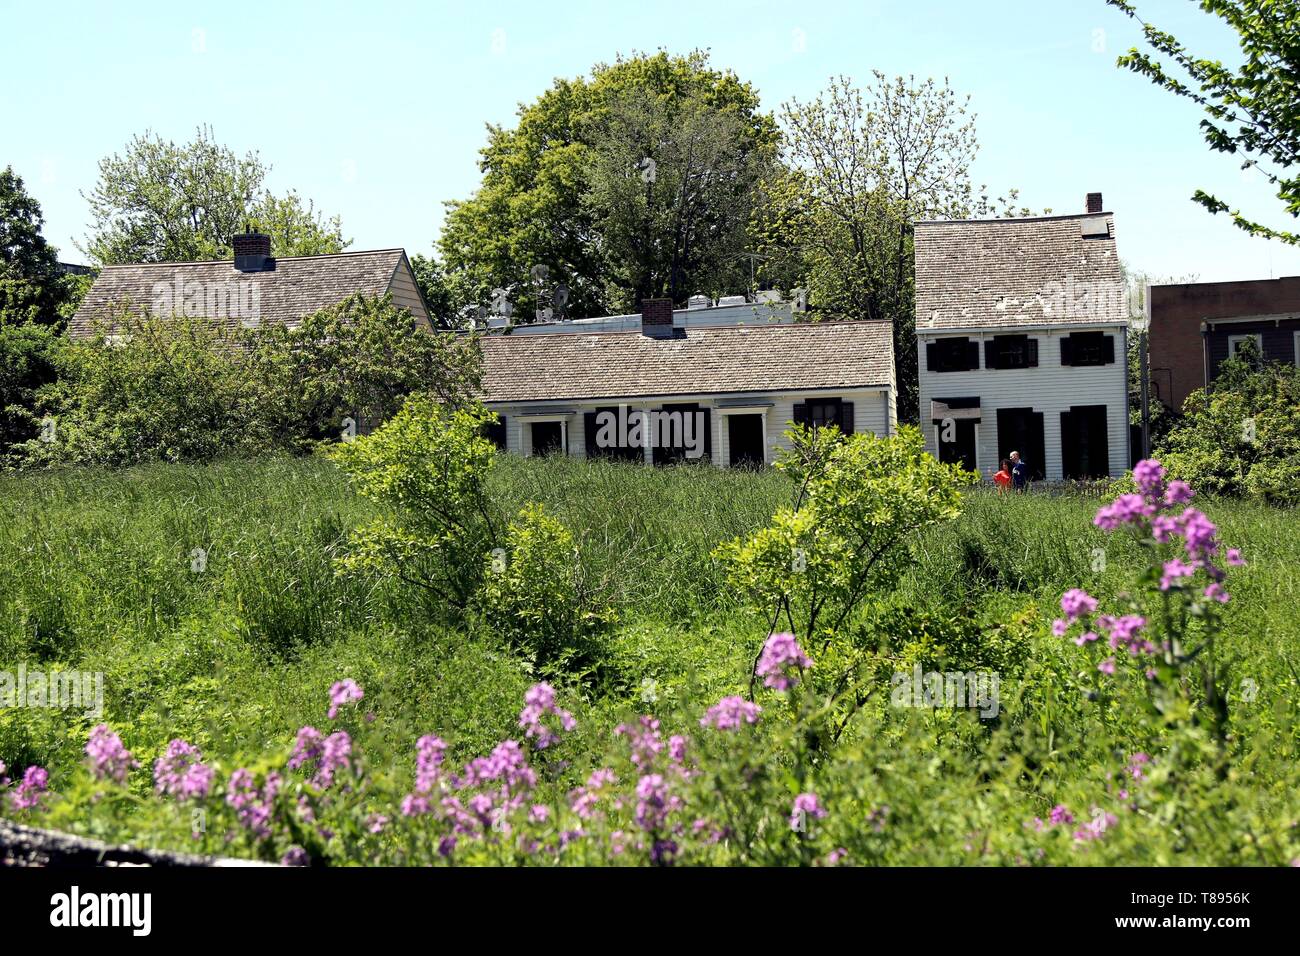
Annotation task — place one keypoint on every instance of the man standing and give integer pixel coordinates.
(1019, 472)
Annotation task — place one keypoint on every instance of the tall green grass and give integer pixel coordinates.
(95, 573)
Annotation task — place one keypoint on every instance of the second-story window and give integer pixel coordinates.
(952, 355)
(1011, 351)
(1087, 348)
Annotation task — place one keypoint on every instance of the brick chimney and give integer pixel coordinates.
(252, 251)
(657, 318)
(1094, 203)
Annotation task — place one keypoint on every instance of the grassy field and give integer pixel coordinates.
(234, 647)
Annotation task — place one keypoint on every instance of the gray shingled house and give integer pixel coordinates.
(250, 289)
(1021, 328)
(662, 393)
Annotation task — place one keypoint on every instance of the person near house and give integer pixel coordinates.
(1019, 472)
(1003, 477)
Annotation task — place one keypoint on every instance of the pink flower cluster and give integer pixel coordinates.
(805, 805)
(253, 806)
(343, 692)
(643, 737)
(730, 713)
(109, 759)
(180, 772)
(1152, 510)
(539, 701)
(781, 654)
(31, 789)
(582, 800)
(326, 756)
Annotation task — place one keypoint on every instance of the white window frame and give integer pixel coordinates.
(720, 416)
(1295, 338)
(530, 419)
(1257, 336)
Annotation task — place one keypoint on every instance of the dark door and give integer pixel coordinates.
(1085, 451)
(681, 432)
(957, 443)
(747, 441)
(548, 438)
(1021, 429)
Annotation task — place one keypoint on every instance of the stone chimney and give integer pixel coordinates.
(657, 318)
(252, 251)
(1094, 203)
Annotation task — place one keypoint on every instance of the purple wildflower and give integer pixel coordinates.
(253, 807)
(730, 713)
(295, 856)
(1061, 814)
(344, 692)
(180, 772)
(805, 805)
(31, 790)
(109, 759)
(643, 738)
(1076, 602)
(780, 653)
(539, 700)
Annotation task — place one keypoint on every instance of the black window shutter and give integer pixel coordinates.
(801, 416)
(1067, 350)
(931, 357)
(972, 354)
(589, 431)
(991, 355)
(846, 417)
(1108, 349)
(1032, 353)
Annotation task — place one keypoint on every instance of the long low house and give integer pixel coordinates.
(662, 393)
(1022, 330)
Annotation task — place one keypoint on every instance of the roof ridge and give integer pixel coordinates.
(1012, 219)
(210, 262)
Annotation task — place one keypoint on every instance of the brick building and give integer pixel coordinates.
(1195, 326)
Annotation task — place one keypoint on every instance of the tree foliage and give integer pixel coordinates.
(163, 202)
(1241, 436)
(554, 187)
(32, 287)
(1251, 111)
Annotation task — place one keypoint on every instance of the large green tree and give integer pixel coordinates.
(1253, 111)
(159, 201)
(568, 187)
(32, 287)
(865, 165)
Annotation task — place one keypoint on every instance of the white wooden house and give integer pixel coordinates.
(1021, 328)
(667, 392)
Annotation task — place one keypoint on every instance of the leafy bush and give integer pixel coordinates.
(162, 389)
(1241, 437)
(427, 466)
(28, 359)
(190, 389)
(536, 595)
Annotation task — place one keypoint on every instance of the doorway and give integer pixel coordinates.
(959, 446)
(1085, 450)
(548, 438)
(1021, 429)
(746, 440)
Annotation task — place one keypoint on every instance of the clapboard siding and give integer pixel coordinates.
(1050, 388)
(407, 294)
(873, 411)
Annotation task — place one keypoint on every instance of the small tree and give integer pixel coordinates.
(427, 466)
(860, 499)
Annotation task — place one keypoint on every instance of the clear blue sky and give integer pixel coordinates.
(376, 110)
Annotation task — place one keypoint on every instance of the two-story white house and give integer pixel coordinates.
(1021, 328)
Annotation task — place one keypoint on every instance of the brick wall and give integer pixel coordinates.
(1177, 355)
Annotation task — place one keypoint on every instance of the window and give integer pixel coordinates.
(1087, 348)
(819, 412)
(952, 355)
(1296, 345)
(1010, 351)
(1235, 343)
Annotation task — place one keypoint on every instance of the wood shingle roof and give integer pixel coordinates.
(696, 361)
(297, 286)
(1003, 273)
